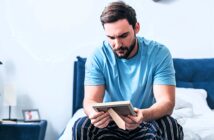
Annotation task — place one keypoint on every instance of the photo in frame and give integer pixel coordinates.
(31, 115)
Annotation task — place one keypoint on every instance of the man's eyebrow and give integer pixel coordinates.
(123, 34)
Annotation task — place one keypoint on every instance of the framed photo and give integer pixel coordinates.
(31, 115)
(121, 107)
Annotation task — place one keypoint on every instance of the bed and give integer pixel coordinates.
(194, 108)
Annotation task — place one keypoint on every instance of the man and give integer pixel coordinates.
(127, 67)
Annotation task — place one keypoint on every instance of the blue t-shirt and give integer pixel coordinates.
(131, 79)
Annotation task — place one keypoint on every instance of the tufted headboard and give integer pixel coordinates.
(190, 73)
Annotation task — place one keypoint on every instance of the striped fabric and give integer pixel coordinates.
(165, 128)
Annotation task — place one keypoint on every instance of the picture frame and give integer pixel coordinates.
(31, 115)
(121, 107)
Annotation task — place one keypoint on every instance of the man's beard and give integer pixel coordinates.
(127, 50)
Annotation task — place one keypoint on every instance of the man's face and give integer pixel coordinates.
(121, 37)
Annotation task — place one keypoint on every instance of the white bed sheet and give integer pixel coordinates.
(67, 134)
(196, 127)
(199, 127)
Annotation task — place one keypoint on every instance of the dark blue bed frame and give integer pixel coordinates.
(192, 73)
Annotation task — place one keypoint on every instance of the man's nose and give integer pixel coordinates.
(117, 43)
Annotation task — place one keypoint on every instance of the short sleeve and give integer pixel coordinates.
(164, 71)
(93, 72)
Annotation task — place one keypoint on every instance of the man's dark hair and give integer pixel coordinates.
(116, 11)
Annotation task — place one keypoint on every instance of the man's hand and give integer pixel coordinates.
(100, 119)
(132, 122)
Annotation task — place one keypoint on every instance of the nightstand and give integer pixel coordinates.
(23, 130)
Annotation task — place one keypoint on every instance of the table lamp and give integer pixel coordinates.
(9, 98)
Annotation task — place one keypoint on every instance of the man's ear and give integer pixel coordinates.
(137, 27)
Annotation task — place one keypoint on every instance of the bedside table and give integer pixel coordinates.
(23, 131)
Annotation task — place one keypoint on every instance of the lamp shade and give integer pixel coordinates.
(9, 95)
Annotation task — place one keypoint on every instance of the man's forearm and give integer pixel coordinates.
(87, 106)
(158, 110)
(93, 94)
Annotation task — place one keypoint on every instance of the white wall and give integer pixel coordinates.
(40, 39)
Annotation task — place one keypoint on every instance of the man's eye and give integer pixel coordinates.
(124, 36)
(112, 38)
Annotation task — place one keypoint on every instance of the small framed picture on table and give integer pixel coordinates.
(31, 115)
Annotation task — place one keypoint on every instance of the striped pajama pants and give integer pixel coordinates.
(165, 128)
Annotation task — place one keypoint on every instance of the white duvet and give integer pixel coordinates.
(191, 111)
(198, 127)
(195, 126)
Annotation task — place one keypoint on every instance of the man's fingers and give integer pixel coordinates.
(128, 120)
(131, 126)
(102, 123)
(131, 122)
(135, 119)
(138, 118)
(99, 118)
(94, 115)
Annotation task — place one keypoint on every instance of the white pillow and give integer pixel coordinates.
(196, 97)
(180, 104)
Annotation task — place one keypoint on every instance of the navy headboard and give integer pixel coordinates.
(192, 73)
(78, 83)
